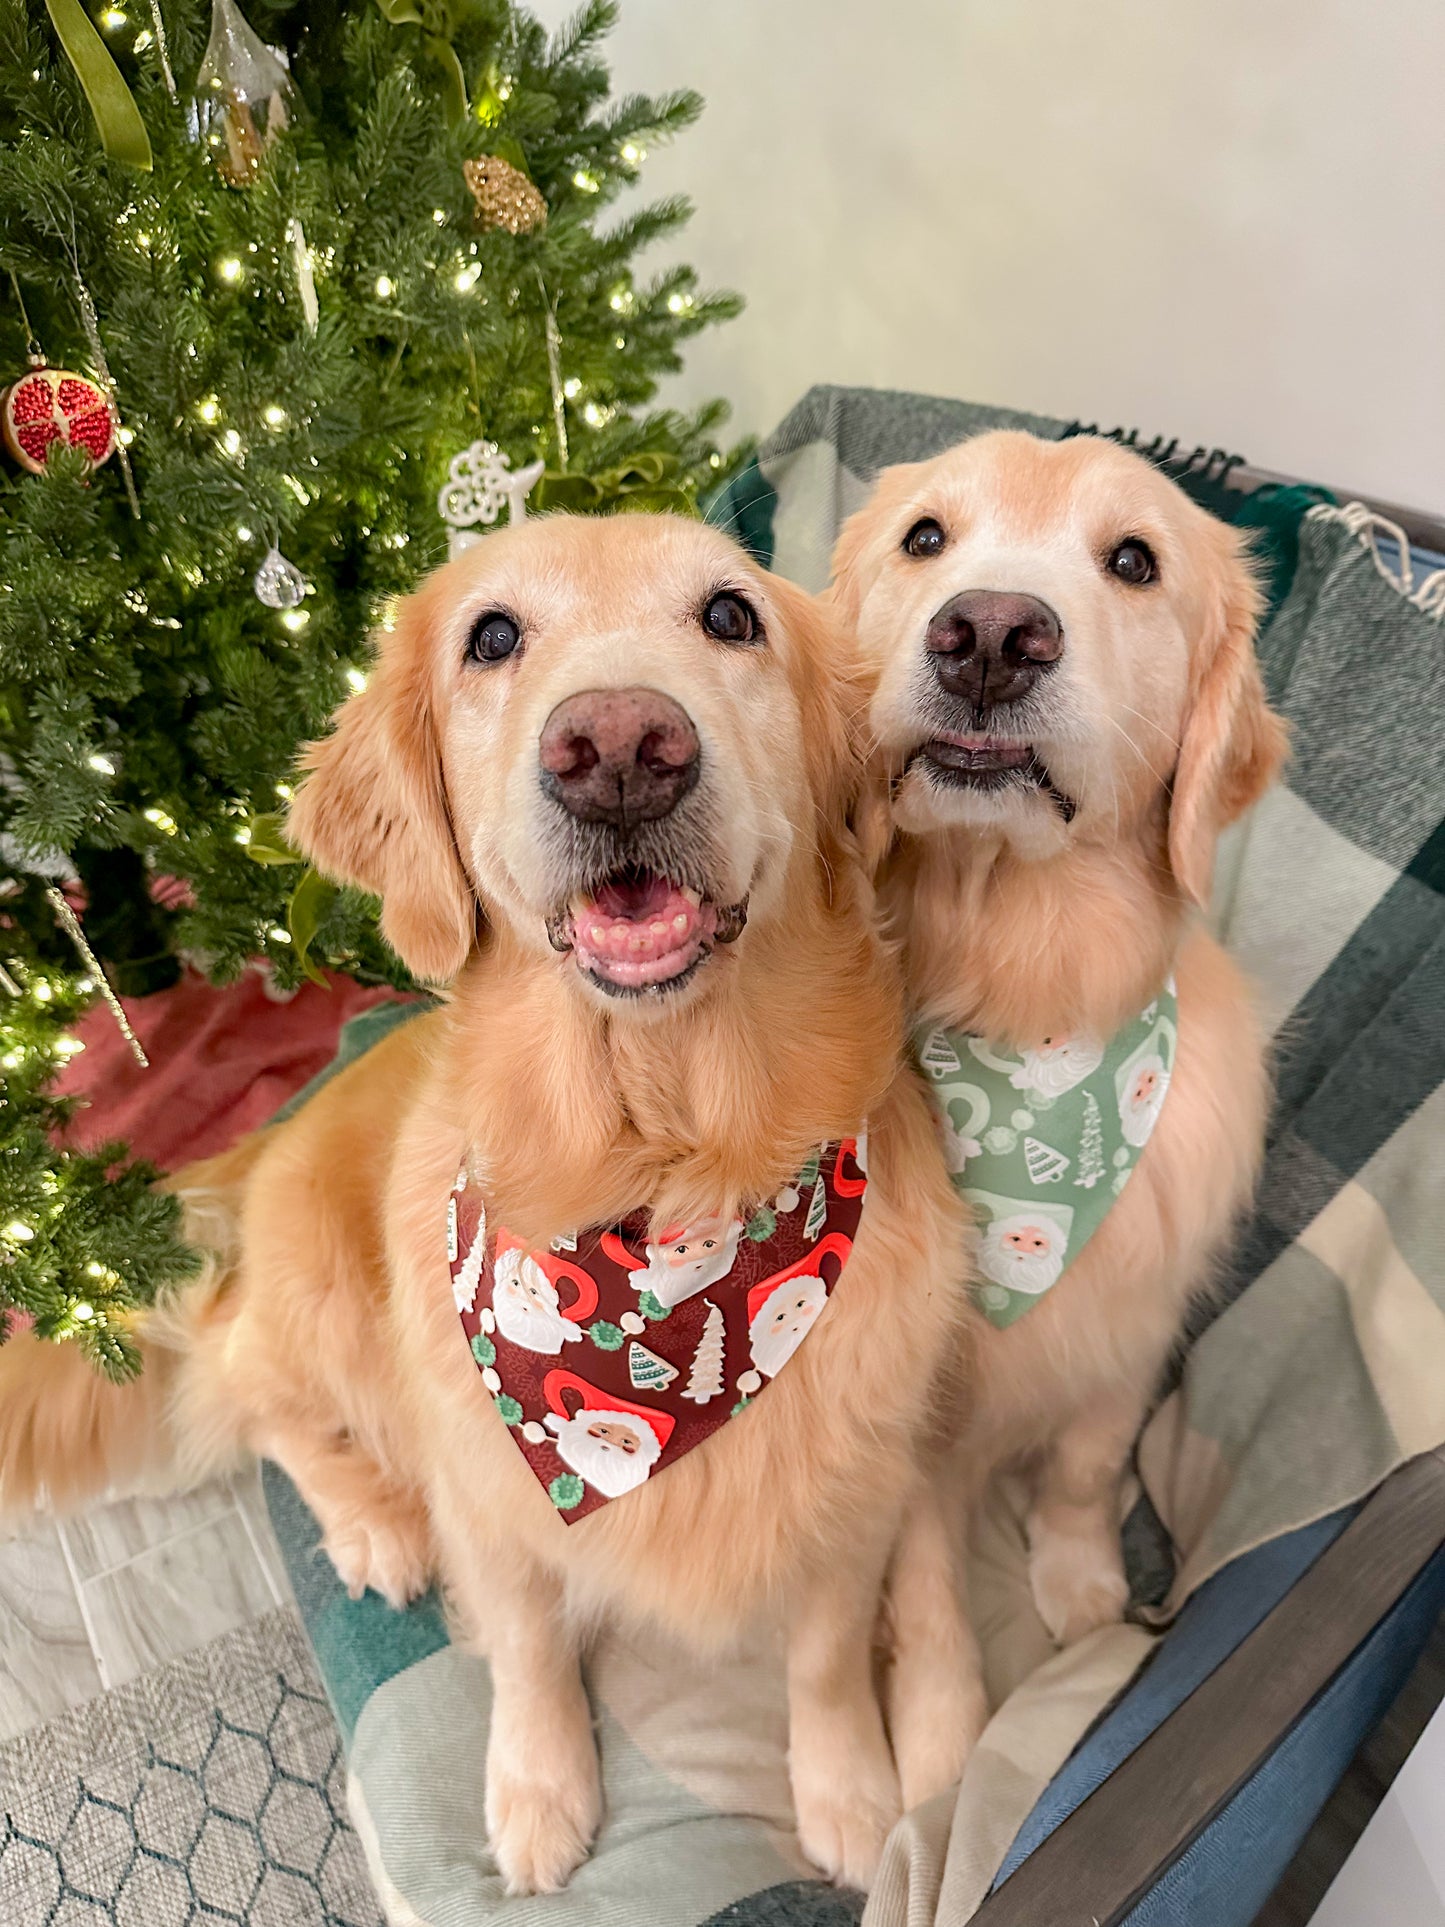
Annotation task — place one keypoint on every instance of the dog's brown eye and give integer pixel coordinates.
(1133, 562)
(493, 637)
(925, 538)
(729, 619)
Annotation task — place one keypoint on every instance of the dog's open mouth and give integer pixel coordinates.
(991, 763)
(642, 933)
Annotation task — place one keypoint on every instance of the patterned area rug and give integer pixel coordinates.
(211, 1791)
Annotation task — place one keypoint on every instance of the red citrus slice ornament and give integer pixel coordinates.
(51, 405)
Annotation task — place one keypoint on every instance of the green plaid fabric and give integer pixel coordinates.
(1320, 1364)
(1329, 1324)
(1317, 1368)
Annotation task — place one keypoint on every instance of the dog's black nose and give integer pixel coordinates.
(618, 756)
(988, 647)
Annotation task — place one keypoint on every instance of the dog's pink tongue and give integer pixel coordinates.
(637, 922)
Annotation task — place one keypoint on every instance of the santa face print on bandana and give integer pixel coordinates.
(1041, 1142)
(611, 1355)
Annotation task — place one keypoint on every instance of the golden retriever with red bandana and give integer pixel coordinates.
(599, 778)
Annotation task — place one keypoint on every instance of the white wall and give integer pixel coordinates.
(1220, 218)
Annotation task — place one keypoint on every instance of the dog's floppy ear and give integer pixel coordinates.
(372, 810)
(867, 535)
(832, 697)
(860, 551)
(872, 820)
(1233, 743)
(854, 540)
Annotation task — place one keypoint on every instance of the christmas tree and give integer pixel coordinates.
(1091, 1147)
(274, 277)
(705, 1379)
(647, 1371)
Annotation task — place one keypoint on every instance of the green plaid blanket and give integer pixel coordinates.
(1318, 1368)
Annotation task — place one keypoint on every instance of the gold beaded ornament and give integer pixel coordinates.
(504, 196)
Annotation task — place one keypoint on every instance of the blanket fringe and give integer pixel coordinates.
(1428, 593)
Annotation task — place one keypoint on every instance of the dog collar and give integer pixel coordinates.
(615, 1352)
(1040, 1143)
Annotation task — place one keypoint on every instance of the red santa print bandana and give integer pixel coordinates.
(615, 1352)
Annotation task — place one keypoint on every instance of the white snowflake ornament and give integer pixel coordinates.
(478, 482)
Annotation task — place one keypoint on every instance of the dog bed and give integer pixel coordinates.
(1285, 1527)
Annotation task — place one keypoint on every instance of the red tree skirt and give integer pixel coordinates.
(222, 1063)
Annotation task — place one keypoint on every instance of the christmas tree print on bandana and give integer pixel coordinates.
(613, 1352)
(1040, 1142)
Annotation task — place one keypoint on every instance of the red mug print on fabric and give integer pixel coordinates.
(612, 1355)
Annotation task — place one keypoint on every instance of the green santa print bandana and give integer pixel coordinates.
(1041, 1142)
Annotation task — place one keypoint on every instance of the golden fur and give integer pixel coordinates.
(334, 1346)
(1018, 925)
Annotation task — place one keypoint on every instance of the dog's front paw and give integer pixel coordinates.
(844, 1817)
(386, 1548)
(1078, 1586)
(541, 1831)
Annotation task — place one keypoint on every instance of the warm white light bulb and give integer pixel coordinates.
(385, 287)
(229, 268)
(103, 764)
